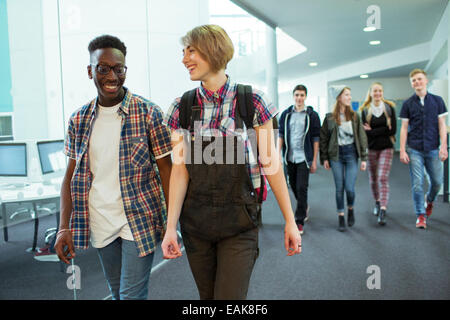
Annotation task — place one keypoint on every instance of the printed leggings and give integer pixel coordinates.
(380, 162)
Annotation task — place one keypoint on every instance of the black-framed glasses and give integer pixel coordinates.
(104, 69)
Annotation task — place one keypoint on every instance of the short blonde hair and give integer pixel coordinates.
(416, 71)
(213, 44)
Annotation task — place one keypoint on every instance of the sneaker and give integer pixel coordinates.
(376, 210)
(429, 208)
(45, 248)
(300, 228)
(421, 222)
(307, 216)
(46, 255)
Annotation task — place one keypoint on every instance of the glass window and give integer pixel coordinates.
(43, 66)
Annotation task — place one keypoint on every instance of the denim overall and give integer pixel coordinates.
(220, 215)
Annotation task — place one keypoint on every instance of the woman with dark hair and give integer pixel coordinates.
(342, 142)
(217, 202)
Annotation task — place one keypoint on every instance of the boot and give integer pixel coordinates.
(341, 223)
(382, 217)
(350, 218)
(376, 210)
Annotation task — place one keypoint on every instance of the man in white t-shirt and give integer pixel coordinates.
(117, 176)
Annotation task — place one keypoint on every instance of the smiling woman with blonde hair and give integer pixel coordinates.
(380, 124)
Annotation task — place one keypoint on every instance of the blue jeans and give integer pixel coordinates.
(345, 171)
(127, 274)
(420, 160)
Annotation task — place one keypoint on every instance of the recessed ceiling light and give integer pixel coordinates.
(364, 76)
(313, 64)
(369, 29)
(375, 42)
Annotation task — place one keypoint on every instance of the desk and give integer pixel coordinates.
(37, 195)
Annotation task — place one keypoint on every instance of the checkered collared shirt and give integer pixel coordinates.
(218, 115)
(144, 138)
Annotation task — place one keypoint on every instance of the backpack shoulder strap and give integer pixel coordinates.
(247, 112)
(388, 109)
(363, 112)
(245, 104)
(368, 114)
(187, 101)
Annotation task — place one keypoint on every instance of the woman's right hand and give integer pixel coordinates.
(326, 165)
(170, 247)
(64, 240)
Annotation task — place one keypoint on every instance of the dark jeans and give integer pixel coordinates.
(298, 174)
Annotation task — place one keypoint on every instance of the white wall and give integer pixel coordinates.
(27, 69)
(52, 65)
(83, 20)
(439, 57)
(394, 88)
(317, 92)
(440, 88)
(441, 72)
(317, 85)
(49, 81)
(248, 34)
(154, 50)
(168, 22)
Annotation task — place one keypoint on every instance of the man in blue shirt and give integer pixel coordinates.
(423, 125)
(299, 140)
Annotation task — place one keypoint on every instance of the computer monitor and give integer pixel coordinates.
(14, 164)
(13, 160)
(52, 159)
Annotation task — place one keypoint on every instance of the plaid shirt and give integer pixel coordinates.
(144, 139)
(218, 117)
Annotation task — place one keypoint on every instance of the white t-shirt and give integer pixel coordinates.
(107, 219)
(345, 131)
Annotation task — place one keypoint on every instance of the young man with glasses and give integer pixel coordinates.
(119, 166)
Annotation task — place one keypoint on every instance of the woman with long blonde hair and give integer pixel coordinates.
(342, 142)
(378, 117)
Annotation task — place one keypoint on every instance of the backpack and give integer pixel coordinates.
(246, 109)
